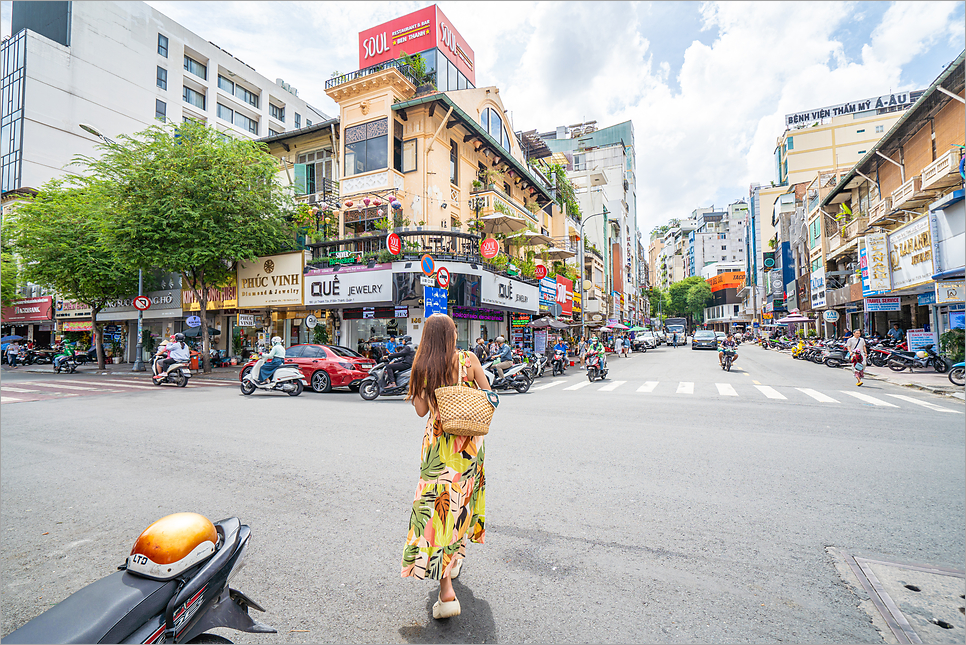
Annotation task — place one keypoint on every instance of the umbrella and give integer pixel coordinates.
(10, 339)
(500, 223)
(558, 254)
(795, 318)
(195, 332)
(637, 328)
(543, 323)
(619, 326)
(530, 238)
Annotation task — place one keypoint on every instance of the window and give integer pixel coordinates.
(272, 133)
(506, 189)
(791, 143)
(192, 97)
(163, 45)
(367, 147)
(860, 131)
(160, 110)
(248, 97)
(298, 120)
(225, 84)
(493, 125)
(276, 112)
(879, 128)
(162, 78)
(226, 113)
(196, 68)
(246, 123)
(454, 162)
(724, 248)
(311, 171)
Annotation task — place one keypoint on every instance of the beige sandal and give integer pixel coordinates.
(454, 571)
(446, 609)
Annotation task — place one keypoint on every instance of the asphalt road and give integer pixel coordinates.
(646, 511)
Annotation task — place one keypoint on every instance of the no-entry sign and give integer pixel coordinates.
(142, 303)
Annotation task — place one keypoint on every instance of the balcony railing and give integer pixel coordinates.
(941, 173)
(375, 69)
(880, 209)
(855, 227)
(494, 200)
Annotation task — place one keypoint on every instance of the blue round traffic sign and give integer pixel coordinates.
(429, 267)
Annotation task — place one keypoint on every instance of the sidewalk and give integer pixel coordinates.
(929, 381)
(228, 373)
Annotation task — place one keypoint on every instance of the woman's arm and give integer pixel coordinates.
(421, 405)
(475, 371)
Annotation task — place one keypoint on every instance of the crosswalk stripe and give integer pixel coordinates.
(7, 388)
(648, 386)
(770, 392)
(869, 399)
(9, 399)
(815, 394)
(685, 388)
(925, 404)
(610, 387)
(76, 387)
(116, 384)
(725, 389)
(578, 385)
(549, 385)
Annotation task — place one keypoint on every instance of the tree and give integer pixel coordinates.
(191, 199)
(678, 295)
(61, 238)
(658, 300)
(699, 296)
(8, 267)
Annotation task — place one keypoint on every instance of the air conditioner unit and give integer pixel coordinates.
(315, 198)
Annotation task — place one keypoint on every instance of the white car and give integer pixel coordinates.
(648, 338)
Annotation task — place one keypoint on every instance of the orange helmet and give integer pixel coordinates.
(172, 545)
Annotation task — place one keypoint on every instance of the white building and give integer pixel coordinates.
(119, 66)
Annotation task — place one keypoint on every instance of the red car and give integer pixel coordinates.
(325, 366)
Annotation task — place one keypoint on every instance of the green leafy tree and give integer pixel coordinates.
(191, 199)
(658, 300)
(9, 272)
(61, 238)
(699, 296)
(677, 304)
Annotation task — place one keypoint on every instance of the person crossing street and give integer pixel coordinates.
(857, 354)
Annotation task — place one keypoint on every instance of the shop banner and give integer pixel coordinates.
(476, 313)
(910, 255)
(86, 325)
(882, 304)
(548, 291)
(28, 310)
(164, 304)
(275, 280)
(920, 339)
(565, 295)
(349, 286)
(950, 292)
(728, 280)
(926, 299)
(218, 298)
(72, 310)
(577, 301)
(877, 255)
(512, 294)
(817, 280)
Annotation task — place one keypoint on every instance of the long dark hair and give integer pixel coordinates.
(433, 364)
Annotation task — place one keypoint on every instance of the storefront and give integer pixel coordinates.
(358, 303)
(911, 271)
(221, 312)
(32, 318)
(270, 297)
(162, 319)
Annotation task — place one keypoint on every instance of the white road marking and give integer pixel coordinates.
(925, 404)
(578, 385)
(770, 392)
(648, 386)
(9, 399)
(610, 387)
(818, 396)
(685, 388)
(77, 387)
(869, 399)
(7, 388)
(725, 389)
(548, 385)
(116, 384)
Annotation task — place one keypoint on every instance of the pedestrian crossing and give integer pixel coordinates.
(28, 391)
(745, 390)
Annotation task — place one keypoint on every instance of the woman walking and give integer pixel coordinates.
(450, 500)
(857, 354)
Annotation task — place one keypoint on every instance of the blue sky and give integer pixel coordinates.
(706, 84)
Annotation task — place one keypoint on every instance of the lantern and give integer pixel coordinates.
(366, 201)
(395, 203)
(377, 202)
(348, 204)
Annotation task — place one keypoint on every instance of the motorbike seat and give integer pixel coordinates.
(104, 611)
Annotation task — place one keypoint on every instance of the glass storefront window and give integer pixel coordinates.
(371, 332)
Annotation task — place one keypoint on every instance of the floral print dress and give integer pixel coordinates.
(450, 501)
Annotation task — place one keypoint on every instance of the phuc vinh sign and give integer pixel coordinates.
(271, 280)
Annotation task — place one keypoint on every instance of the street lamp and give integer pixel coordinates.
(138, 363)
(583, 299)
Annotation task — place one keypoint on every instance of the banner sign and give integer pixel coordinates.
(548, 291)
(246, 320)
(164, 304)
(274, 280)
(476, 313)
(27, 310)
(86, 325)
(910, 254)
(218, 297)
(351, 285)
(920, 339)
(902, 100)
(877, 252)
(882, 304)
(512, 294)
(72, 310)
(817, 288)
(950, 292)
(565, 295)
(928, 298)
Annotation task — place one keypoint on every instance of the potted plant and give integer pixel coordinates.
(116, 351)
(420, 224)
(456, 225)
(477, 185)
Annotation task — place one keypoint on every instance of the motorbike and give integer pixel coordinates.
(727, 358)
(287, 378)
(922, 359)
(514, 378)
(595, 368)
(68, 364)
(956, 375)
(835, 356)
(559, 362)
(375, 384)
(128, 606)
(538, 363)
(178, 374)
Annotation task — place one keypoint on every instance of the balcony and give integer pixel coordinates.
(834, 241)
(911, 194)
(375, 69)
(942, 173)
(492, 200)
(881, 208)
(854, 228)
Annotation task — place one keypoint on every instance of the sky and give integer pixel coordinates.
(706, 84)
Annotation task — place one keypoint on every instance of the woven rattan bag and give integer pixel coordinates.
(463, 409)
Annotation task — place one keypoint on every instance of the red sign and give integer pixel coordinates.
(489, 248)
(565, 296)
(28, 310)
(413, 33)
(394, 244)
(442, 277)
(541, 272)
(142, 303)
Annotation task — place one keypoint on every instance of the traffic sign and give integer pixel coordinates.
(311, 321)
(541, 272)
(426, 281)
(142, 303)
(394, 244)
(442, 276)
(429, 267)
(489, 248)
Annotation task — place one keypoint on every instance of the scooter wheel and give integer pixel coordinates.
(896, 367)
(522, 387)
(297, 390)
(156, 381)
(590, 376)
(957, 376)
(182, 380)
(369, 391)
(940, 365)
(247, 387)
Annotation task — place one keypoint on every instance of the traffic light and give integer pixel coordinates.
(768, 260)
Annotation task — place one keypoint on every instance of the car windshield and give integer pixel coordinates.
(704, 335)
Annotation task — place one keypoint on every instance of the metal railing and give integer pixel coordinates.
(375, 69)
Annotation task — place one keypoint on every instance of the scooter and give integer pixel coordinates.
(922, 359)
(559, 362)
(287, 378)
(727, 358)
(131, 606)
(595, 369)
(68, 364)
(375, 384)
(834, 356)
(515, 378)
(538, 363)
(956, 374)
(177, 374)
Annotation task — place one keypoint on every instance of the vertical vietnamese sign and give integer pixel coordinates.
(565, 296)
(877, 259)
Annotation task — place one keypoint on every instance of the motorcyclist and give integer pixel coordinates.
(178, 352)
(563, 347)
(502, 357)
(727, 345)
(400, 360)
(67, 348)
(597, 348)
(273, 360)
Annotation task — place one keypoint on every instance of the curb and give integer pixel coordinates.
(942, 390)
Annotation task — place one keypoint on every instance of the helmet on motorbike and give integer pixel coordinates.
(172, 545)
(921, 354)
(179, 337)
(276, 340)
(405, 340)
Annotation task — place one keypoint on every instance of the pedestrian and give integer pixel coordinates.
(857, 354)
(480, 349)
(13, 353)
(627, 347)
(582, 350)
(450, 501)
(618, 351)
